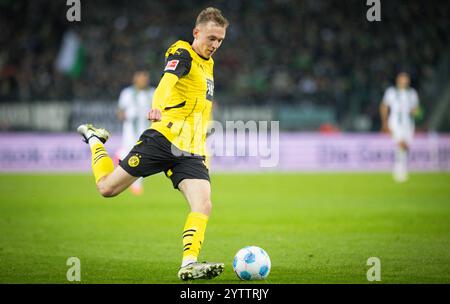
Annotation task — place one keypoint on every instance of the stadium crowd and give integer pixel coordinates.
(317, 51)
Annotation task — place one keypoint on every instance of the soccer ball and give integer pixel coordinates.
(251, 263)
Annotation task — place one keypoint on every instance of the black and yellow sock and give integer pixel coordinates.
(102, 164)
(193, 236)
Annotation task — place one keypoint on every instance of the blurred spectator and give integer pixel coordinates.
(323, 51)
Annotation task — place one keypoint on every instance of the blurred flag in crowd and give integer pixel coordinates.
(71, 57)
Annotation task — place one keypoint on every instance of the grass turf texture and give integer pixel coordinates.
(317, 228)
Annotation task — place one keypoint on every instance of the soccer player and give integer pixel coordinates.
(397, 110)
(175, 142)
(134, 102)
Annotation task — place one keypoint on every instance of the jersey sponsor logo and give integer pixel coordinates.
(133, 161)
(209, 89)
(171, 65)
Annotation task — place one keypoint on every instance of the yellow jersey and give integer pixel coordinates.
(186, 112)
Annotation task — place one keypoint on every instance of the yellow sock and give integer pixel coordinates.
(102, 164)
(193, 236)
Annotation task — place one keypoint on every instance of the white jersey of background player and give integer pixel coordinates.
(398, 108)
(134, 103)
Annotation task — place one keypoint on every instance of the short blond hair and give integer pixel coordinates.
(212, 14)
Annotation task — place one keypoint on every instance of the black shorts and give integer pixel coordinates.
(154, 154)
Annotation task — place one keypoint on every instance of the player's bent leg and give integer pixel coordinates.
(198, 194)
(116, 182)
(110, 181)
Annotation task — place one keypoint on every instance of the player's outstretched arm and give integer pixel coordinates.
(162, 92)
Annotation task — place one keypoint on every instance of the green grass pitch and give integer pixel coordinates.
(317, 228)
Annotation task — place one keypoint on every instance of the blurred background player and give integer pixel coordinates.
(397, 110)
(134, 103)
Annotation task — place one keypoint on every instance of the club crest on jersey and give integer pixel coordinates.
(133, 161)
(171, 65)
